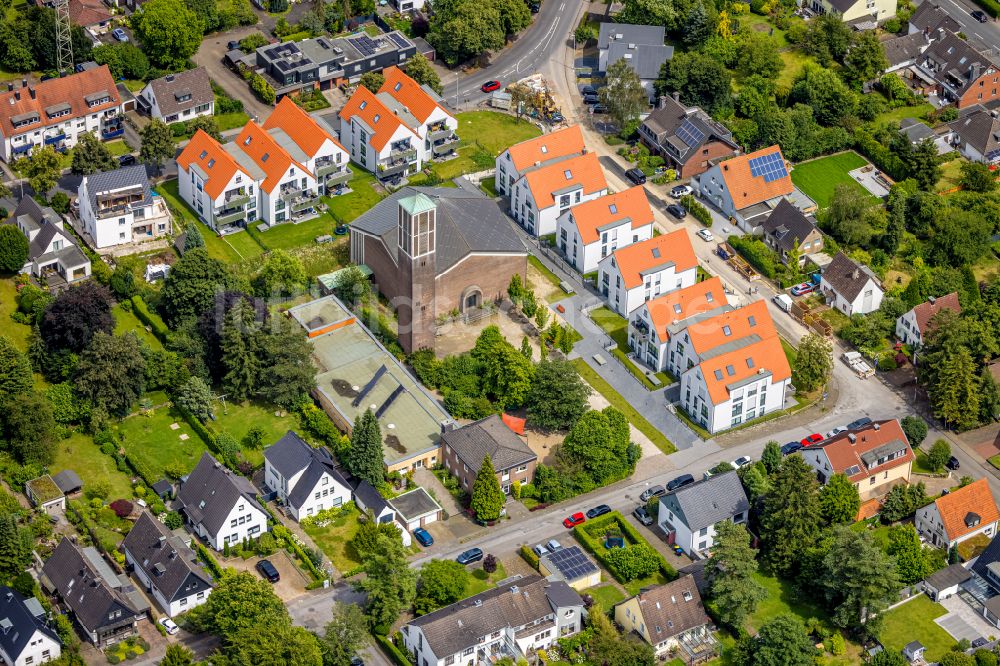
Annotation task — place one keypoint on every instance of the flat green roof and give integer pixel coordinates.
(44, 489)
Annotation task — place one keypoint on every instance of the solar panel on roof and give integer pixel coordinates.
(398, 40)
(771, 167)
(690, 134)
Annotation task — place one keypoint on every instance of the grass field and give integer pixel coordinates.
(795, 62)
(550, 292)
(782, 598)
(348, 207)
(18, 333)
(150, 438)
(605, 594)
(127, 321)
(480, 581)
(217, 246)
(895, 115)
(819, 178)
(238, 419)
(79, 453)
(951, 172)
(334, 540)
(914, 621)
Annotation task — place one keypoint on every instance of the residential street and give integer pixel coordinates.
(988, 34)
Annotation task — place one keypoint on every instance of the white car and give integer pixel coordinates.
(741, 462)
(540, 550)
(553, 545)
(169, 625)
(836, 431)
(679, 191)
(706, 235)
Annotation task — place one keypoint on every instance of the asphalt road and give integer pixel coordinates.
(988, 34)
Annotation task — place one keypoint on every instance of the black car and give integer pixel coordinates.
(599, 108)
(636, 176)
(233, 44)
(642, 515)
(979, 15)
(591, 99)
(979, 642)
(357, 661)
(953, 463)
(267, 570)
(680, 482)
(677, 211)
(860, 423)
(470, 556)
(598, 510)
(588, 90)
(126, 160)
(790, 448)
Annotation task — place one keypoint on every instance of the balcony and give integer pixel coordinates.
(405, 153)
(336, 176)
(438, 131)
(23, 149)
(228, 216)
(392, 168)
(55, 138)
(236, 198)
(445, 145)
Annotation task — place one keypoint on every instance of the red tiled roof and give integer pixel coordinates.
(63, 90)
(204, 150)
(752, 319)
(956, 507)
(634, 259)
(383, 127)
(584, 170)
(747, 189)
(266, 153)
(926, 310)
(630, 204)
(845, 454)
(408, 92)
(680, 304)
(299, 126)
(86, 13)
(561, 143)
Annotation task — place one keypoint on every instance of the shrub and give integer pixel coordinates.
(121, 507)
(156, 325)
(759, 255)
(529, 557)
(697, 211)
(622, 567)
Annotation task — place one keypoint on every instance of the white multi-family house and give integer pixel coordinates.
(304, 478)
(913, 325)
(167, 568)
(311, 144)
(731, 365)
(632, 275)
(523, 616)
(512, 163)
(850, 287)
(394, 131)
(25, 635)
(652, 323)
(55, 112)
(118, 207)
(52, 252)
(689, 515)
(178, 97)
(588, 232)
(962, 514)
(220, 506)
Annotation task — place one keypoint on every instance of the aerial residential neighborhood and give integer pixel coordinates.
(506, 333)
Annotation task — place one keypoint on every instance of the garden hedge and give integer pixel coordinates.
(530, 557)
(698, 211)
(156, 325)
(398, 656)
(596, 546)
(210, 563)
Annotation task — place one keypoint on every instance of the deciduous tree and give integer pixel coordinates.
(364, 458)
(420, 70)
(623, 93)
(193, 237)
(389, 582)
(463, 29)
(273, 644)
(111, 373)
(730, 571)
(190, 288)
(344, 635)
(814, 363)
(73, 318)
(157, 143)
(372, 80)
(441, 582)
(29, 428)
(177, 655)
(286, 374)
(487, 496)
(13, 249)
(865, 59)
(15, 370)
(42, 169)
(701, 80)
(196, 397)
(558, 396)
(860, 580)
(239, 603)
(839, 500)
(281, 275)
(125, 60)
(915, 429)
(169, 32)
(905, 547)
(91, 156)
(771, 457)
(939, 454)
(591, 444)
(782, 641)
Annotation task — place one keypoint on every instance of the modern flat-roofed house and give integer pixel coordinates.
(670, 617)
(525, 615)
(875, 458)
(652, 323)
(963, 513)
(53, 254)
(178, 97)
(435, 251)
(118, 207)
(863, 14)
(167, 568)
(641, 46)
(788, 230)
(913, 325)
(850, 287)
(688, 515)
(465, 449)
(305, 478)
(25, 635)
(687, 138)
(219, 505)
(632, 275)
(746, 188)
(962, 75)
(55, 112)
(104, 614)
(588, 232)
(976, 134)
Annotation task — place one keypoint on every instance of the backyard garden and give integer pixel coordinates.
(819, 178)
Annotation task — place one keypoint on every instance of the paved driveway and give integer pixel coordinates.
(962, 621)
(210, 55)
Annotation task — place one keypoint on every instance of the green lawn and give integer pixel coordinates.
(951, 172)
(819, 178)
(636, 586)
(347, 207)
(895, 115)
(228, 121)
(116, 147)
(79, 453)
(237, 419)
(127, 321)
(554, 292)
(914, 621)
(489, 186)
(782, 598)
(763, 24)
(605, 594)
(18, 333)
(216, 245)
(613, 324)
(795, 62)
(244, 244)
(480, 581)
(150, 438)
(334, 540)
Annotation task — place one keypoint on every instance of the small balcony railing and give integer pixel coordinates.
(236, 198)
(406, 154)
(392, 167)
(338, 176)
(229, 215)
(326, 168)
(445, 145)
(55, 138)
(436, 132)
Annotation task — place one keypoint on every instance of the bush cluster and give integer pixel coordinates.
(637, 559)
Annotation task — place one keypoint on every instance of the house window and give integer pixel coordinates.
(183, 601)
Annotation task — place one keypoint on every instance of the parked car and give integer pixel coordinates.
(979, 642)
(169, 625)
(836, 431)
(706, 235)
(677, 211)
(470, 556)
(642, 515)
(268, 571)
(678, 191)
(953, 463)
(790, 448)
(741, 462)
(680, 482)
(636, 176)
(979, 15)
(233, 44)
(598, 510)
(553, 545)
(534, 7)
(119, 34)
(599, 108)
(803, 289)
(424, 537)
(490, 86)
(540, 550)
(652, 491)
(575, 519)
(860, 423)
(126, 160)
(588, 90)
(812, 439)
(591, 99)
(357, 661)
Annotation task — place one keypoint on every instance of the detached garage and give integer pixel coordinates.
(415, 509)
(945, 583)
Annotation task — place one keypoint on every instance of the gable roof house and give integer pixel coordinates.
(670, 617)
(167, 568)
(687, 138)
(962, 75)
(986, 585)
(118, 207)
(787, 230)
(688, 515)
(861, 14)
(90, 14)
(53, 254)
(960, 515)
(305, 478)
(526, 615)
(850, 287)
(976, 134)
(632, 275)
(641, 46)
(902, 52)
(465, 448)
(912, 326)
(587, 232)
(104, 614)
(875, 458)
(929, 18)
(220, 505)
(178, 97)
(25, 634)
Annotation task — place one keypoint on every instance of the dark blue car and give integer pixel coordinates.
(424, 537)
(470, 556)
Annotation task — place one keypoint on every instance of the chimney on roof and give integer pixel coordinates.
(17, 94)
(851, 436)
(162, 540)
(876, 426)
(24, 83)
(169, 77)
(677, 95)
(856, 274)
(932, 300)
(513, 589)
(31, 91)
(10, 87)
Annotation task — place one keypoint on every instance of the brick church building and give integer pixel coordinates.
(436, 250)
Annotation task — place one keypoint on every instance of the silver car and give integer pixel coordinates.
(651, 492)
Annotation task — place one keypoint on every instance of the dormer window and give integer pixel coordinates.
(25, 119)
(98, 98)
(263, 158)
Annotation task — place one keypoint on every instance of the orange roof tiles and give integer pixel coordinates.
(926, 310)
(63, 90)
(845, 454)
(868, 509)
(299, 126)
(583, 170)
(956, 507)
(683, 303)
(266, 153)
(633, 260)
(561, 143)
(369, 108)
(408, 92)
(723, 370)
(86, 13)
(752, 319)
(747, 189)
(630, 204)
(203, 150)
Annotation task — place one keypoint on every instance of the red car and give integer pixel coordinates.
(490, 86)
(575, 519)
(812, 439)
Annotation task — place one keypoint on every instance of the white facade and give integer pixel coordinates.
(754, 399)
(326, 492)
(55, 256)
(691, 542)
(174, 607)
(907, 329)
(399, 155)
(869, 299)
(40, 649)
(206, 109)
(542, 221)
(660, 280)
(63, 135)
(237, 202)
(244, 521)
(585, 257)
(929, 523)
(114, 224)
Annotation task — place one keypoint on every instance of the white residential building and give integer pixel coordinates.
(963, 513)
(53, 254)
(850, 287)
(219, 505)
(178, 97)
(632, 275)
(304, 478)
(118, 207)
(588, 232)
(26, 638)
(689, 515)
(912, 326)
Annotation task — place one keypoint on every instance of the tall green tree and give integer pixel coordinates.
(791, 518)
(915, 429)
(190, 288)
(771, 457)
(72, 318)
(15, 370)
(91, 156)
(193, 237)
(196, 397)
(441, 583)
(282, 274)
(30, 428)
(955, 391)
(420, 70)
(700, 79)
(464, 29)
(623, 93)
(169, 32)
(389, 581)
(558, 395)
(125, 60)
(239, 603)
(592, 444)
(42, 169)
(782, 641)
(111, 373)
(372, 80)
(506, 375)
(240, 351)
(939, 454)
(487, 496)
(13, 249)
(977, 177)
(177, 655)
(907, 551)
(364, 457)
(730, 571)
(344, 635)
(813, 363)
(286, 374)
(15, 547)
(860, 580)
(839, 500)
(865, 59)
(273, 644)
(157, 140)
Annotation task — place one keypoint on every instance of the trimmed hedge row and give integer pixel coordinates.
(530, 557)
(398, 656)
(155, 324)
(200, 428)
(296, 550)
(757, 253)
(210, 563)
(596, 547)
(698, 211)
(141, 468)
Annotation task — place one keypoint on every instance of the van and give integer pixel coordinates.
(783, 301)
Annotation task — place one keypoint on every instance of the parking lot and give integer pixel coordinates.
(293, 582)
